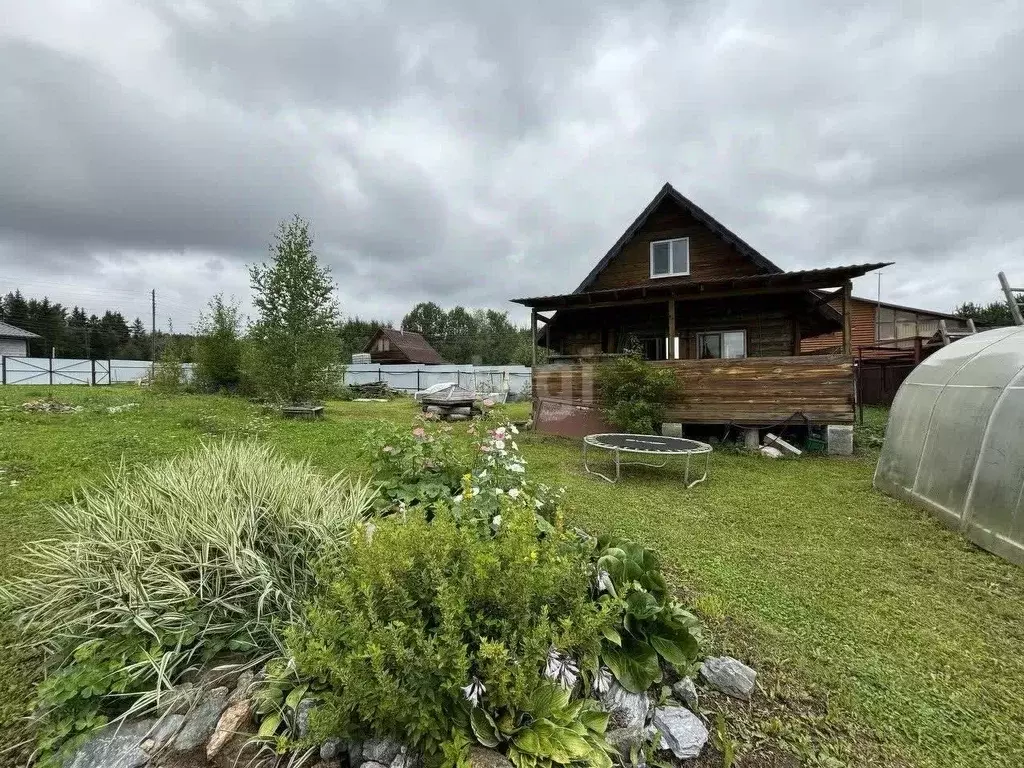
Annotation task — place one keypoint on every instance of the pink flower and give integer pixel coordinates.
(419, 432)
(488, 402)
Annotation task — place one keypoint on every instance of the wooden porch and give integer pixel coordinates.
(816, 389)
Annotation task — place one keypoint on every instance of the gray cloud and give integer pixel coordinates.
(466, 152)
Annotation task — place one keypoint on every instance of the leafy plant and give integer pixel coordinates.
(166, 568)
(633, 393)
(653, 626)
(550, 730)
(415, 618)
(293, 353)
(168, 373)
(218, 345)
(418, 465)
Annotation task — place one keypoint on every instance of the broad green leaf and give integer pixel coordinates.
(295, 696)
(635, 665)
(612, 635)
(595, 720)
(484, 729)
(269, 726)
(526, 741)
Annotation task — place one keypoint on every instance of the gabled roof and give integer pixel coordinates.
(409, 343)
(668, 191)
(8, 331)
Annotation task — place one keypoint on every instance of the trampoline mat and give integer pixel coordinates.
(647, 443)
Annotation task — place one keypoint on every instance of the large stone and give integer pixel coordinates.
(302, 712)
(370, 764)
(625, 740)
(682, 732)
(331, 748)
(686, 690)
(482, 757)
(729, 675)
(382, 751)
(202, 721)
(118, 745)
(628, 710)
(233, 720)
(242, 685)
(771, 452)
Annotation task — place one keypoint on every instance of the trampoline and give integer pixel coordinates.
(654, 445)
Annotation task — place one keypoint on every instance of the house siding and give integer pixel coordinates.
(862, 329)
(14, 347)
(710, 256)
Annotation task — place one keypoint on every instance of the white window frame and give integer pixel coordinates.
(671, 257)
(702, 334)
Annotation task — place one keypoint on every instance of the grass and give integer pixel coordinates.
(881, 637)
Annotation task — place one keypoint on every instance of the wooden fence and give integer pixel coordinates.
(752, 390)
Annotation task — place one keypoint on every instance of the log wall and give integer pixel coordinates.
(750, 391)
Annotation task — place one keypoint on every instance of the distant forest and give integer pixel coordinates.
(482, 336)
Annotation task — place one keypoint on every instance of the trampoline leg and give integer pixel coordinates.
(702, 478)
(589, 471)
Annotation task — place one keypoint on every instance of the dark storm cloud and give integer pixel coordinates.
(466, 152)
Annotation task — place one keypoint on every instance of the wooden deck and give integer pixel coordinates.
(749, 391)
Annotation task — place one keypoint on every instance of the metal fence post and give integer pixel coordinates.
(3, 369)
(51, 369)
(110, 374)
(93, 366)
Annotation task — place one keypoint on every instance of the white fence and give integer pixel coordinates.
(60, 370)
(409, 378)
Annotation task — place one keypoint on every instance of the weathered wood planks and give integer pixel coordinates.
(753, 390)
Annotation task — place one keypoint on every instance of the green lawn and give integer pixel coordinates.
(881, 637)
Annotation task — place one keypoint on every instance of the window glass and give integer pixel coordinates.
(734, 344)
(661, 258)
(681, 256)
(709, 345)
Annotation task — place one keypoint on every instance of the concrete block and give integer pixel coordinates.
(751, 439)
(671, 429)
(839, 439)
(782, 445)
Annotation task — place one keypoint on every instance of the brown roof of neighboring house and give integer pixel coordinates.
(8, 331)
(410, 344)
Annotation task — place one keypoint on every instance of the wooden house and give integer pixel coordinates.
(880, 330)
(694, 296)
(391, 346)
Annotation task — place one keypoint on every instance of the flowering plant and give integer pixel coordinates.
(417, 466)
(498, 482)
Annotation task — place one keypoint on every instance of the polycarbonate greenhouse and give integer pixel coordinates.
(955, 440)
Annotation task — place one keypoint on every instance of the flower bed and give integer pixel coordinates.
(462, 616)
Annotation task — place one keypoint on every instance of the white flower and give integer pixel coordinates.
(514, 446)
(498, 491)
(512, 429)
(499, 444)
(482, 475)
(458, 499)
(517, 468)
(602, 680)
(513, 493)
(475, 490)
(537, 503)
(499, 432)
(561, 669)
(604, 582)
(497, 521)
(474, 692)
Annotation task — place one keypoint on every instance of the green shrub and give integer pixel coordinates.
(169, 567)
(633, 393)
(168, 373)
(414, 615)
(652, 626)
(218, 346)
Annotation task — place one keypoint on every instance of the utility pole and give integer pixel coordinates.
(152, 351)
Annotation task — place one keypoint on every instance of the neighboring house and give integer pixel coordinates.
(880, 329)
(685, 290)
(14, 340)
(391, 346)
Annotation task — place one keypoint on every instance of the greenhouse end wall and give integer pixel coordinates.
(955, 440)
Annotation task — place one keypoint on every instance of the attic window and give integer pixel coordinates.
(383, 344)
(670, 258)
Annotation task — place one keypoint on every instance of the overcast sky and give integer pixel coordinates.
(467, 152)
